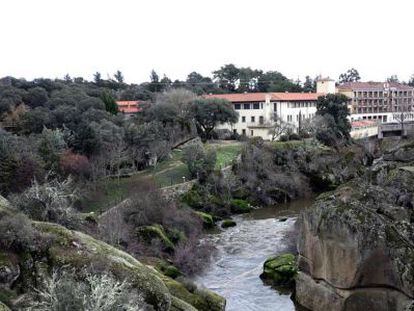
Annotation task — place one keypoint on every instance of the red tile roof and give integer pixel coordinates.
(261, 97)
(363, 123)
(129, 106)
(373, 86)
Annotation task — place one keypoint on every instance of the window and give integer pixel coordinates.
(256, 106)
(251, 133)
(243, 119)
(261, 120)
(252, 119)
(246, 106)
(244, 132)
(234, 131)
(275, 107)
(237, 106)
(289, 118)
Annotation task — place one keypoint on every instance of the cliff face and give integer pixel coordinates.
(356, 245)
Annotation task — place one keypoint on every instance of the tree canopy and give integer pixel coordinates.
(209, 112)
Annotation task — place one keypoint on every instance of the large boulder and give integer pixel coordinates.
(356, 245)
(280, 270)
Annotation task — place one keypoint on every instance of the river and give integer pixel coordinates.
(241, 252)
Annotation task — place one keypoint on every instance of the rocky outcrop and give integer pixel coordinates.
(22, 271)
(356, 244)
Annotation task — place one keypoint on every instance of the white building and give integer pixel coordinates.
(258, 111)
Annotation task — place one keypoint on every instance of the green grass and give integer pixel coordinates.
(226, 153)
(109, 192)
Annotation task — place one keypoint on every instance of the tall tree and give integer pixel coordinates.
(411, 81)
(227, 76)
(248, 79)
(309, 85)
(97, 78)
(154, 85)
(274, 81)
(209, 112)
(352, 75)
(110, 103)
(393, 78)
(334, 108)
(119, 77)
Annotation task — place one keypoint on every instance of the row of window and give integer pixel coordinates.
(382, 94)
(253, 119)
(383, 101)
(302, 104)
(383, 109)
(244, 132)
(309, 116)
(248, 106)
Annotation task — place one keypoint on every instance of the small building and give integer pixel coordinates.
(258, 112)
(129, 107)
(364, 129)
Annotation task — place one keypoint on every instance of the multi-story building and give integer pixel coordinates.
(258, 112)
(380, 101)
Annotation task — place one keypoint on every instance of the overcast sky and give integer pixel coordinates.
(49, 38)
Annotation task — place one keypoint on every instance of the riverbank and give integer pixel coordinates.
(241, 252)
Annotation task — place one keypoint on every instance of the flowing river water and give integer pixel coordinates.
(242, 250)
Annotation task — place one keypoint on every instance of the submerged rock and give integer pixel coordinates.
(227, 223)
(239, 206)
(280, 270)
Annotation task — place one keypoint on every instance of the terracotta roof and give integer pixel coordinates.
(373, 86)
(295, 96)
(129, 106)
(364, 123)
(241, 97)
(261, 97)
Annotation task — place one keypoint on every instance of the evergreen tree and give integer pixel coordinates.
(110, 103)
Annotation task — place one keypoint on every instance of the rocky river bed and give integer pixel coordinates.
(241, 252)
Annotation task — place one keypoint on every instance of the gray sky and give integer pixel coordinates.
(49, 38)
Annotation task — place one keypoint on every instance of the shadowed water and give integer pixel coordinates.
(242, 251)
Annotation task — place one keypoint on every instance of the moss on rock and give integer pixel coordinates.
(75, 249)
(227, 223)
(280, 269)
(201, 299)
(208, 221)
(239, 206)
(148, 233)
(3, 307)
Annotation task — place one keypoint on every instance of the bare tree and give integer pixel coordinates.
(279, 127)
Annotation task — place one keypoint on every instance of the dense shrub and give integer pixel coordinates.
(70, 291)
(51, 201)
(200, 162)
(74, 164)
(17, 233)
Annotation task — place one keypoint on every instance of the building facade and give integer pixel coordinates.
(258, 112)
(383, 102)
(129, 107)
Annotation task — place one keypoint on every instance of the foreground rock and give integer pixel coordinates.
(356, 249)
(23, 270)
(280, 270)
